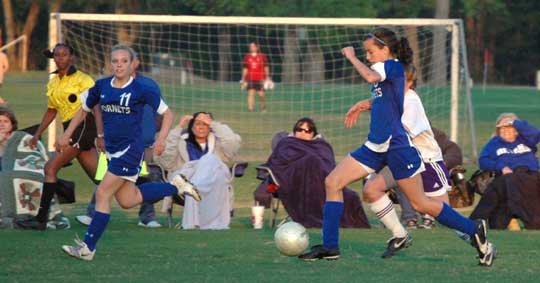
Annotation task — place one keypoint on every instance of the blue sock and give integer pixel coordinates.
(452, 219)
(96, 229)
(333, 210)
(152, 192)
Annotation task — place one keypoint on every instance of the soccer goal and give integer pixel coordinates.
(198, 63)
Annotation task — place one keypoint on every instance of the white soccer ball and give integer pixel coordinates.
(268, 84)
(291, 239)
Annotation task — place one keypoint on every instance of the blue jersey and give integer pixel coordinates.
(149, 125)
(499, 153)
(122, 110)
(386, 130)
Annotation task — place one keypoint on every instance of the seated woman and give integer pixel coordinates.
(202, 152)
(300, 162)
(21, 176)
(515, 192)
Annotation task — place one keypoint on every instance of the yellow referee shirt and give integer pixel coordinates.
(63, 94)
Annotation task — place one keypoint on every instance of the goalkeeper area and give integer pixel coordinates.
(198, 63)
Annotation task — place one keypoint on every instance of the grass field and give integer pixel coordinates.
(127, 253)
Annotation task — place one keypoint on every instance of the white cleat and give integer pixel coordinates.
(84, 219)
(185, 187)
(151, 224)
(80, 250)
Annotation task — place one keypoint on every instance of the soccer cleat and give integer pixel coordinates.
(59, 222)
(319, 252)
(486, 250)
(80, 250)
(185, 187)
(427, 223)
(411, 224)
(30, 224)
(151, 224)
(84, 219)
(396, 244)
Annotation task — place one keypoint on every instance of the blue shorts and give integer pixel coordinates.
(126, 163)
(403, 162)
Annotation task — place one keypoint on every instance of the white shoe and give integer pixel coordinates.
(151, 224)
(80, 250)
(84, 220)
(185, 187)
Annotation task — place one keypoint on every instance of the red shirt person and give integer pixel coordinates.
(254, 72)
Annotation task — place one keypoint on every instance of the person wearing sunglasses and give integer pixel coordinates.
(300, 161)
(202, 149)
(305, 129)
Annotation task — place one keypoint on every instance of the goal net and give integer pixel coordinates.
(197, 62)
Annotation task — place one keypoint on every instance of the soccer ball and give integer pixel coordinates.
(291, 239)
(268, 84)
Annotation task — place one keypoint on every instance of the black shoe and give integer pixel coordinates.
(396, 244)
(411, 224)
(319, 252)
(30, 224)
(487, 252)
(427, 223)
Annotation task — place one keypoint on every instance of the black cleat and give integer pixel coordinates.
(396, 244)
(319, 252)
(487, 252)
(30, 224)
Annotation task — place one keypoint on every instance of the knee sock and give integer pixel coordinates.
(385, 211)
(452, 219)
(152, 192)
(49, 189)
(332, 212)
(96, 229)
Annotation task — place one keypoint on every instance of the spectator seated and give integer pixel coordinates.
(297, 169)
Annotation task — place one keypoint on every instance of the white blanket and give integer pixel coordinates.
(213, 179)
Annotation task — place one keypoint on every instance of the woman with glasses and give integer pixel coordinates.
(299, 162)
(202, 149)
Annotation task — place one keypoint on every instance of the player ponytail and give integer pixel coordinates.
(399, 48)
(404, 52)
(410, 75)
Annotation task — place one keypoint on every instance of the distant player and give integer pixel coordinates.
(254, 73)
(122, 99)
(387, 144)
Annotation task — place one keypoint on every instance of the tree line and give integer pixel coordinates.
(507, 29)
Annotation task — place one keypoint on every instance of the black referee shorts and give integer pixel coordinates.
(85, 135)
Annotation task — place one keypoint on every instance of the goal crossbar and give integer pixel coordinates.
(252, 20)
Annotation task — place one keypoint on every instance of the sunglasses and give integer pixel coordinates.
(371, 35)
(307, 131)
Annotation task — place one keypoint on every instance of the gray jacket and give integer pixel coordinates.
(222, 141)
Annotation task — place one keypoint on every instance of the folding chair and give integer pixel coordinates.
(264, 173)
(237, 171)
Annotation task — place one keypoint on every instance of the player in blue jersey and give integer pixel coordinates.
(122, 99)
(387, 145)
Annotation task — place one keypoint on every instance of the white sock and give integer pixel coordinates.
(385, 211)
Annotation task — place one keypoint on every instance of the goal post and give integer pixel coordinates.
(197, 61)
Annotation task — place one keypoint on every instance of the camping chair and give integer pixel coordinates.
(237, 171)
(264, 173)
